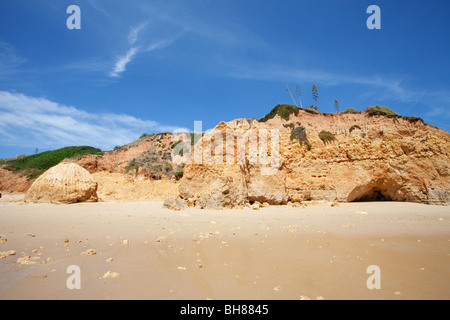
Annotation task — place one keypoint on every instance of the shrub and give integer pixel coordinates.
(168, 167)
(175, 144)
(132, 165)
(283, 110)
(350, 110)
(179, 175)
(312, 109)
(381, 111)
(299, 133)
(144, 135)
(326, 137)
(354, 128)
(289, 125)
(413, 119)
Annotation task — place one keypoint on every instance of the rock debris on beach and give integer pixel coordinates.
(110, 275)
(5, 254)
(89, 252)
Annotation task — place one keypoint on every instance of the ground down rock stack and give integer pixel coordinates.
(64, 183)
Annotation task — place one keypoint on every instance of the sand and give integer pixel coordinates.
(138, 250)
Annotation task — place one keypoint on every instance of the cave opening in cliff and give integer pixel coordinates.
(372, 195)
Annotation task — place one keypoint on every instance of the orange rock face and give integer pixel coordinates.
(10, 182)
(379, 159)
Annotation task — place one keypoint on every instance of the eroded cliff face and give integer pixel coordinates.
(10, 182)
(372, 158)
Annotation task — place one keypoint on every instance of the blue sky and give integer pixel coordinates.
(155, 66)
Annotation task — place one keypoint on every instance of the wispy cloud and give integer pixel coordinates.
(121, 64)
(391, 86)
(10, 60)
(134, 33)
(29, 121)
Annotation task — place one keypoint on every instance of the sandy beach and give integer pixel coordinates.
(138, 250)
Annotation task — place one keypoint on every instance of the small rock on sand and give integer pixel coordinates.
(256, 205)
(173, 203)
(161, 239)
(335, 204)
(89, 252)
(110, 275)
(3, 241)
(5, 254)
(27, 260)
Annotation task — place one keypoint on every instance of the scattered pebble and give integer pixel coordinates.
(27, 260)
(304, 298)
(109, 260)
(397, 293)
(110, 274)
(126, 242)
(89, 252)
(3, 241)
(277, 288)
(161, 239)
(181, 268)
(5, 254)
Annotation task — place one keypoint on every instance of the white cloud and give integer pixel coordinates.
(391, 87)
(121, 64)
(27, 122)
(134, 32)
(10, 60)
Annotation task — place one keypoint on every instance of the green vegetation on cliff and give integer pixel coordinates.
(34, 165)
(283, 110)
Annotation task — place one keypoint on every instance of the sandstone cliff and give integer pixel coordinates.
(371, 158)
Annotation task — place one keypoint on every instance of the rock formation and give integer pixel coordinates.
(10, 182)
(64, 183)
(355, 156)
(368, 158)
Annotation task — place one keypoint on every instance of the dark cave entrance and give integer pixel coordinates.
(372, 195)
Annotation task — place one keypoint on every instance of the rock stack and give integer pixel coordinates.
(63, 183)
